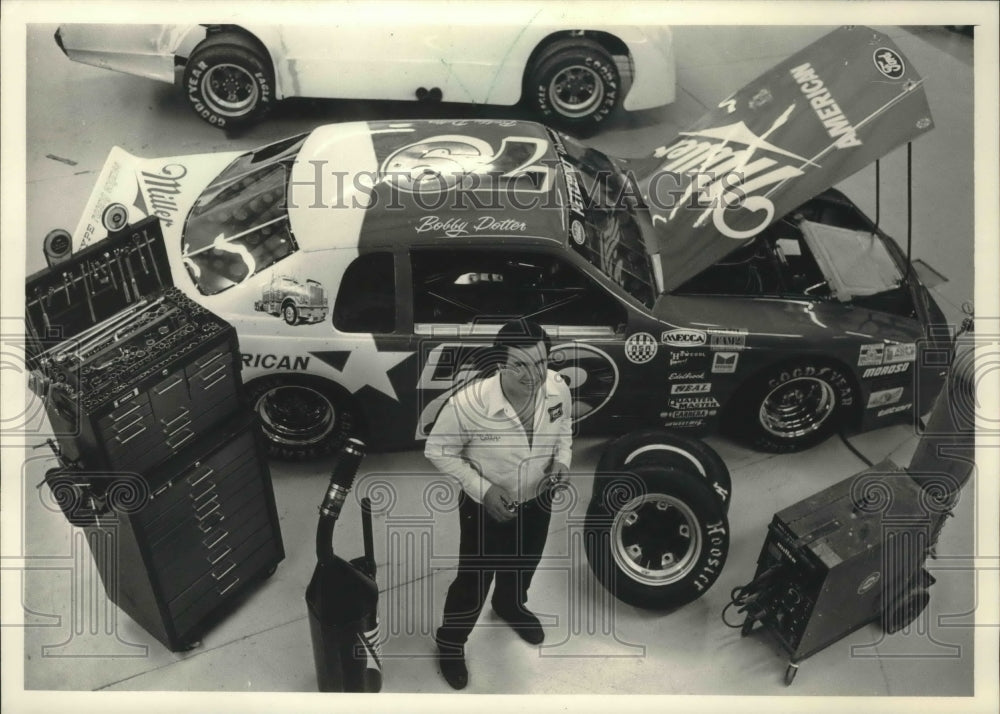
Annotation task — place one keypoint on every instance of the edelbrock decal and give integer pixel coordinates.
(884, 397)
(894, 410)
(683, 338)
(885, 369)
(675, 376)
(691, 388)
(725, 362)
(640, 348)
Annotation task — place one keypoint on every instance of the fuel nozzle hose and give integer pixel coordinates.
(345, 468)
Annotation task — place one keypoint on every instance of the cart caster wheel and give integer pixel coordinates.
(790, 673)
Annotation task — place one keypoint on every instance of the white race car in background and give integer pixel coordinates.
(573, 76)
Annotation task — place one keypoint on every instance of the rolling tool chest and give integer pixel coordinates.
(158, 448)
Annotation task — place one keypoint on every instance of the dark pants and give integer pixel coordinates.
(508, 551)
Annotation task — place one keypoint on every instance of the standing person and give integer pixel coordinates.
(507, 440)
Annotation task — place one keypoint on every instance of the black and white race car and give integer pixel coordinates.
(718, 283)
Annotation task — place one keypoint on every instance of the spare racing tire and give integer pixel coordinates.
(656, 537)
(229, 81)
(666, 448)
(792, 406)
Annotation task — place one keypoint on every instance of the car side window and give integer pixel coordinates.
(366, 301)
(465, 286)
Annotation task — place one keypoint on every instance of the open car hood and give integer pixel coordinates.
(813, 120)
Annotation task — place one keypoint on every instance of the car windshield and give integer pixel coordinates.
(607, 234)
(239, 224)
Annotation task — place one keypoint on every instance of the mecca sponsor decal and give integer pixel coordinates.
(727, 339)
(885, 397)
(676, 376)
(889, 63)
(640, 348)
(894, 410)
(725, 362)
(837, 126)
(693, 403)
(293, 363)
(885, 369)
(691, 388)
(870, 355)
(683, 338)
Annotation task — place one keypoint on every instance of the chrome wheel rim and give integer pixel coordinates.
(576, 91)
(655, 539)
(290, 315)
(229, 90)
(295, 415)
(798, 407)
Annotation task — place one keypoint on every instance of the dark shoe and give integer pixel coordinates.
(451, 661)
(525, 624)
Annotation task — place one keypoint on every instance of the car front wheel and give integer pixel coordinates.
(793, 406)
(229, 82)
(301, 417)
(574, 84)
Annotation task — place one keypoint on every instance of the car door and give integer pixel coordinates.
(461, 296)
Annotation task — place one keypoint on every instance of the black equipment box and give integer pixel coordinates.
(843, 558)
(175, 545)
(160, 455)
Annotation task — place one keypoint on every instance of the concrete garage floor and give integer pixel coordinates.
(75, 641)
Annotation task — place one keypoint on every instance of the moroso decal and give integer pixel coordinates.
(906, 352)
(838, 127)
(683, 338)
(885, 369)
(894, 410)
(884, 397)
(289, 362)
(725, 362)
(870, 355)
(693, 403)
(640, 348)
(889, 63)
(691, 388)
(674, 376)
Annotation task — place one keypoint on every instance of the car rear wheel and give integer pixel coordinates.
(229, 81)
(301, 417)
(574, 84)
(793, 406)
(656, 537)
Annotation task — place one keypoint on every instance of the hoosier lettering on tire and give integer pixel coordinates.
(656, 537)
(229, 81)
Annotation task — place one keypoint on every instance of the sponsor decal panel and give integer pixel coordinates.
(884, 397)
(725, 362)
(683, 338)
(640, 348)
(906, 352)
(894, 410)
(687, 414)
(555, 412)
(691, 388)
(270, 361)
(885, 369)
(889, 63)
(693, 403)
(727, 339)
(870, 355)
(680, 357)
(684, 423)
(675, 376)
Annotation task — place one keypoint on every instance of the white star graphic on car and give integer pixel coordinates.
(367, 366)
